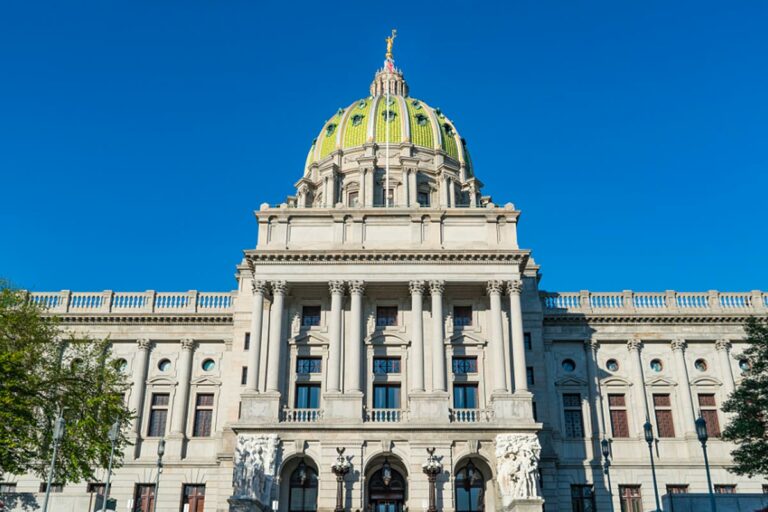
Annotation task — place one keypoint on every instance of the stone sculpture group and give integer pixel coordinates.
(517, 467)
(255, 466)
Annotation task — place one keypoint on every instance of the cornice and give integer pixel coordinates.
(680, 318)
(386, 256)
(150, 318)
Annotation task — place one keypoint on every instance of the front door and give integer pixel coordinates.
(387, 505)
(386, 490)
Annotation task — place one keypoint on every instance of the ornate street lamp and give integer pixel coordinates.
(605, 448)
(58, 434)
(432, 468)
(114, 435)
(302, 469)
(160, 452)
(340, 468)
(386, 473)
(701, 433)
(648, 431)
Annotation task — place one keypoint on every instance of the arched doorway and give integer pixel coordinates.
(301, 488)
(386, 489)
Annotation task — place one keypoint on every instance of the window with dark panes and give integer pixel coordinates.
(310, 315)
(193, 498)
(529, 375)
(527, 341)
(725, 489)
(708, 407)
(462, 316)
(302, 489)
(55, 487)
(203, 415)
(386, 316)
(386, 365)
(307, 365)
(464, 365)
(158, 415)
(7, 487)
(144, 498)
(535, 413)
(247, 341)
(465, 396)
(617, 405)
(630, 499)
(574, 423)
(662, 405)
(386, 396)
(244, 375)
(677, 489)
(95, 487)
(582, 498)
(423, 198)
(307, 396)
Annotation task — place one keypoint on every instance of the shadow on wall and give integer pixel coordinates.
(19, 501)
(696, 502)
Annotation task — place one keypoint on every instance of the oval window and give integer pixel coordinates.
(656, 365)
(121, 365)
(209, 365)
(700, 364)
(164, 365)
(744, 365)
(569, 365)
(612, 365)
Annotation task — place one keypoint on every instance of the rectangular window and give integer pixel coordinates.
(193, 498)
(7, 487)
(247, 341)
(529, 375)
(574, 424)
(203, 415)
(307, 365)
(244, 376)
(95, 487)
(352, 198)
(310, 315)
(144, 498)
(386, 396)
(465, 396)
(662, 405)
(582, 498)
(55, 487)
(527, 341)
(630, 499)
(423, 198)
(307, 396)
(617, 405)
(386, 316)
(677, 489)
(158, 415)
(386, 365)
(725, 489)
(535, 415)
(765, 488)
(464, 365)
(708, 407)
(462, 316)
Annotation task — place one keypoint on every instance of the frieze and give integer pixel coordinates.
(320, 257)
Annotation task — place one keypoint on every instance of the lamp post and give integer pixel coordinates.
(605, 448)
(113, 435)
(340, 468)
(160, 452)
(432, 468)
(648, 431)
(701, 433)
(58, 433)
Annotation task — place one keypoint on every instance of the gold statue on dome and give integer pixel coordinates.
(390, 41)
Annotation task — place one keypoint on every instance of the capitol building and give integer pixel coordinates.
(388, 348)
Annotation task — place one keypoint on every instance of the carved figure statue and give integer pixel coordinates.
(517, 461)
(256, 458)
(390, 41)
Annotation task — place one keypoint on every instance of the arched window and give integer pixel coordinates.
(469, 489)
(302, 495)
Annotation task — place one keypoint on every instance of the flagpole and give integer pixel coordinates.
(387, 120)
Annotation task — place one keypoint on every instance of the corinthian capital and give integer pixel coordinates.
(336, 287)
(143, 343)
(260, 287)
(279, 287)
(723, 345)
(514, 287)
(187, 343)
(437, 287)
(357, 287)
(416, 287)
(634, 344)
(678, 344)
(494, 287)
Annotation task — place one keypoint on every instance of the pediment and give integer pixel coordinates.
(660, 381)
(706, 381)
(206, 380)
(161, 380)
(308, 338)
(615, 381)
(464, 338)
(570, 381)
(385, 338)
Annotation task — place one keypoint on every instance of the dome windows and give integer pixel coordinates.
(448, 129)
(422, 120)
(416, 104)
(330, 129)
(389, 115)
(361, 104)
(357, 119)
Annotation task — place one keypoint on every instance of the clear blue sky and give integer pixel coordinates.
(137, 138)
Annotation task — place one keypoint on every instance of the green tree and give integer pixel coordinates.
(749, 402)
(45, 369)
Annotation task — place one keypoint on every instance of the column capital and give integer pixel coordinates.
(279, 287)
(678, 344)
(494, 287)
(634, 344)
(416, 287)
(187, 343)
(261, 287)
(723, 344)
(337, 287)
(357, 287)
(592, 344)
(437, 287)
(514, 287)
(144, 343)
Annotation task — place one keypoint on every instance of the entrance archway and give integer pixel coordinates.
(386, 489)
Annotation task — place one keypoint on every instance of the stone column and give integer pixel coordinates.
(334, 333)
(417, 336)
(257, 319)
(723, 348)
(593, 391)
(178, 420)
(518, 337)
(137, 394)
(498, 366)
(437, 288)
(678, 351)
(634, 346)
(274, 357)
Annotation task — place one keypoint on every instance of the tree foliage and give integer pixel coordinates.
(749, 402)
(44, 370)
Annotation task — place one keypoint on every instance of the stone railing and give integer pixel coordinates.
(302, 415)
(150, 301)
(655, 302)
(384, 415)
(471, 415)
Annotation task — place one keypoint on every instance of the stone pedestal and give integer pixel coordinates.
(343, 407)
(247, 505)
(518, 407)
(529, 505)
(260, 407)
(429, 407)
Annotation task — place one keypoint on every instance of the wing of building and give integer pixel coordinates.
(388, 310)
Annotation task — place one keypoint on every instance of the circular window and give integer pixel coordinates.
(612, 365)
(164, 365)
(700, 364)
(656, 365)
(209, 365)
(121, 365)
(744, 365)
(569, 365)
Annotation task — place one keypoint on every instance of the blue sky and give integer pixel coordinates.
(137, 138)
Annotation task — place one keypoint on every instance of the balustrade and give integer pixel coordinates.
(134, 302)
(302, 415)
(653, 302)
(471, 415)
(385, 415)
